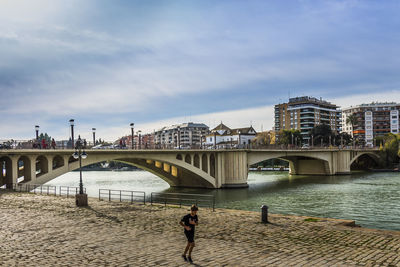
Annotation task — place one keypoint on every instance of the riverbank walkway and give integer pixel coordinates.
(38, 230)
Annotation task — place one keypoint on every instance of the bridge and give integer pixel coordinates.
(218, 168)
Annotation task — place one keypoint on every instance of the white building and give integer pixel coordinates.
(185, 135)
(374, 119)
(224, 137)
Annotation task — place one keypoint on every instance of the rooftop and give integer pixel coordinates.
(374, 104)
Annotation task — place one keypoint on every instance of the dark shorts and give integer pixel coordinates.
(190, 236)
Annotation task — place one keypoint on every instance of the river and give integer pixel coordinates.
(371, 199)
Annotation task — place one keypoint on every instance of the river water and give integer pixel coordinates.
(371, 199)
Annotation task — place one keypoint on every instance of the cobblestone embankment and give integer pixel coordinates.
(50, 231)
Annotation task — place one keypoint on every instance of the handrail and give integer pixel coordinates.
(122, 195)
(182, 198)
(70, 190)
(35, 188)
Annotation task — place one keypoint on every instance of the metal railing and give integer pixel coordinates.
(183, 199)
(70, 190)
(180, 199)
(34, 188)
(122, 195)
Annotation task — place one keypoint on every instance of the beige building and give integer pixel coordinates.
(304, 113)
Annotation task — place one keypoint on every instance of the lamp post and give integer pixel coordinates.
(215, 140)
(201, 142)
(139, 136)
(132, 124)
(37, 132)
(239, 139)
(291, 134)
(81, 198)
(94, 136)
(179, 137)
(71, 122)
(312, 140)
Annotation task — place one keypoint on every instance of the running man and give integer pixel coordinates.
(189, 222)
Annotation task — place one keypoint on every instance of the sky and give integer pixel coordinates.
(156, 63)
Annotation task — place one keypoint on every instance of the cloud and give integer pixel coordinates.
(115, 62)
(262, 118)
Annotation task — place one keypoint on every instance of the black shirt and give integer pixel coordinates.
(185, 220)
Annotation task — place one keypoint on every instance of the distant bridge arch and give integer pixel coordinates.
(372, 155)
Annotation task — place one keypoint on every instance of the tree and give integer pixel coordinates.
(45, 137)
(347, 139)
(287, 137)
(322, 132)
(391, 148)
(353, 120)
(263, 139)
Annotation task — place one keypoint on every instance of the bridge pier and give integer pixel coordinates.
(232, 169)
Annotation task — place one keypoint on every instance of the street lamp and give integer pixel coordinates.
(179, 137)
(37, 132)
(71, 122)
(81, 198)
(239, 139)
(132, 124)
(139, 136)
(312, 140)
(94, 136)
(292, 138)
(215, 140)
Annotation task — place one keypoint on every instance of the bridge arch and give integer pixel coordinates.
(175, 171)
(5, 170)
(42, 165)
(196, 161)
(58, 162)
(188, 159)
(298, 163)
(372, 155)
(24, 168)
(204, 162)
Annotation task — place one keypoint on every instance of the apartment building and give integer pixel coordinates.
(304, 113)
(372, 120)
(189, 136)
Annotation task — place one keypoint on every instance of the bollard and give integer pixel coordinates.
(264, 214)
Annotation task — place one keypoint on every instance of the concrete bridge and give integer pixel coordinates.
(183, 168)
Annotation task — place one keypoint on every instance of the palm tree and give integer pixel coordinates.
(352, 119)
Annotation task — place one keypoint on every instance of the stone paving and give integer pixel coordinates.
(40, 230)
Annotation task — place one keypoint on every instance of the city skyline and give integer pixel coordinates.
(107, 64)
